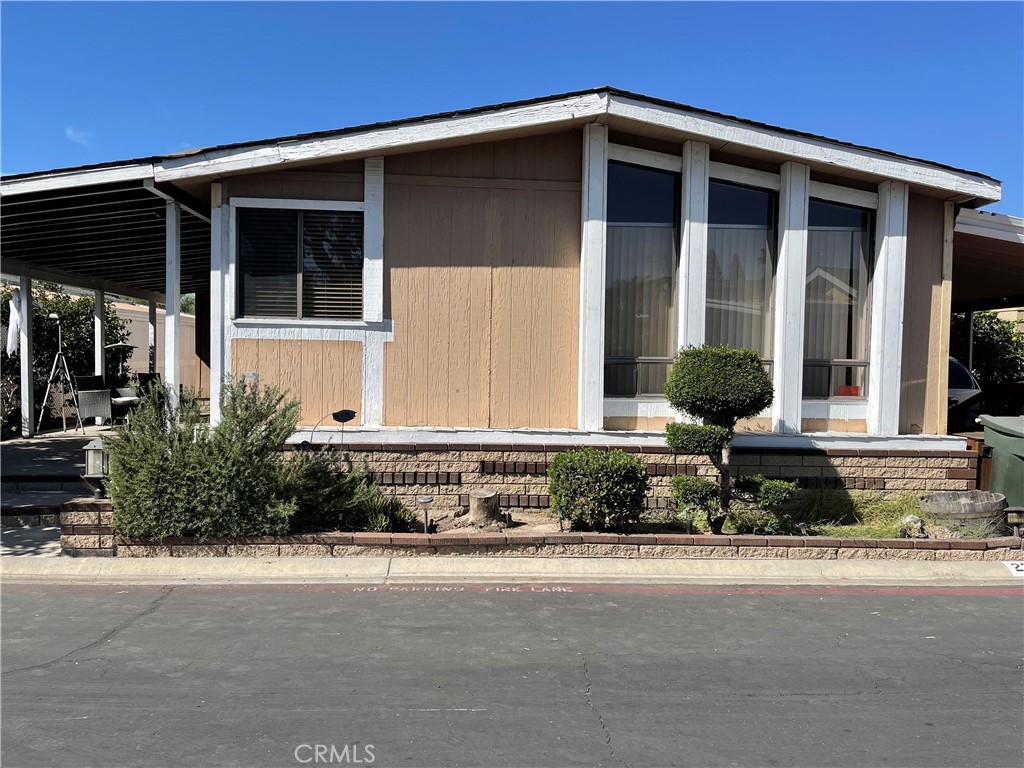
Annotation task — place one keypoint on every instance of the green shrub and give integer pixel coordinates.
(598, 490)
(754, 521)
(326, 496)
(387, 514)
(172, 475)
(697, 439)
(697, 496)
(768, 494)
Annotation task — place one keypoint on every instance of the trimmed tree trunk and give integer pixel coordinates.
(483, 507)
(726, 489)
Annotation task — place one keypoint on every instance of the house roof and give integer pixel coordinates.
(604, 104)
(103, 226)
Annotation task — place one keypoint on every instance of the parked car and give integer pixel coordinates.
(965, 399)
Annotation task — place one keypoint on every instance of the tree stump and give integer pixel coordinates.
(483, 507)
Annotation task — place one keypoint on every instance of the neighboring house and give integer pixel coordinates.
(194, 372)
(536, 265)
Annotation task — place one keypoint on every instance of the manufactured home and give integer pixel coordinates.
(532, 268)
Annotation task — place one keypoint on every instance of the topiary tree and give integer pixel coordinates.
(719, 386)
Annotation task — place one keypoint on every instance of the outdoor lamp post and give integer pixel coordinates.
(425, 502)
(96, 466)
(342, 417)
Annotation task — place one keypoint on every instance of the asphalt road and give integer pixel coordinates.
(261, 675)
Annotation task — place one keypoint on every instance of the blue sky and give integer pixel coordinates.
(91, 82)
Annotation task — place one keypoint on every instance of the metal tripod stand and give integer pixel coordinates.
(59, 374)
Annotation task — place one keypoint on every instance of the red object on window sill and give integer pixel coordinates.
(852, 390)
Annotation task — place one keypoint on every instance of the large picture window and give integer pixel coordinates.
(640, 279)
(741, 266)
(840, 260)
(300, 264)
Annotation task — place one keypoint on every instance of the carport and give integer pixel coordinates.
(110, 230)
(988, 261)
(988, 264)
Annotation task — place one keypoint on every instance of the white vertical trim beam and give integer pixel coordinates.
(590, 413)
(373, 290)
(790, 287)
(373, 380)
(228, 258)
(172, 299)
(216, 299)
(373, 239)
(28, 404)
(153, 340)
(693, 256)
(98, 332)
(886, 351)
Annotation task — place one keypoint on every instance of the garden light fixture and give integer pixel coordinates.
(342, 417)
(425, 502)
(97, 466)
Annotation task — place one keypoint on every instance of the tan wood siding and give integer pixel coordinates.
(325, 375)
(297, 185)
(482, 282)
(550, 157)
(925, 323)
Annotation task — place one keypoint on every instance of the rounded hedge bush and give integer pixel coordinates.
(598, 490)
(720, 385)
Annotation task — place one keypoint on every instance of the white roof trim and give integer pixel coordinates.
(67, 179)
(377, 139)
(589, 106)
(997, 226)
(802, 148)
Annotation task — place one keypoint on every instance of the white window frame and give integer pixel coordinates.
(372, 330)
(268, 203)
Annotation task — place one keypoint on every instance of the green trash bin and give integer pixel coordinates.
(1005, 436)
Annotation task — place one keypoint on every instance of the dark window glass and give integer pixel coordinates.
(641, 195)
(959, 378)
(733, 205)
(822, 214)
(268, 262)
(324, 279)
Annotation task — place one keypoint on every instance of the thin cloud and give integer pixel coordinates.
(78, 136)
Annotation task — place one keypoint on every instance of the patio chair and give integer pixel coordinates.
(98, 402)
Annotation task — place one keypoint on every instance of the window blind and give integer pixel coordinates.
(300, 263)
(332, 264)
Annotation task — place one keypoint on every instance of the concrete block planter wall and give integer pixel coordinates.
(86, 531)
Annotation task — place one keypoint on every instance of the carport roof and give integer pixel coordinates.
(988, 261)
(105, 236)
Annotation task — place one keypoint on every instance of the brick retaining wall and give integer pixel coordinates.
(518, 473)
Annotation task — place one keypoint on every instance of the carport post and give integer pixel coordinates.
(970, 341)
(98, 332)
(172, 300)
(152, 336)
(28, 400)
